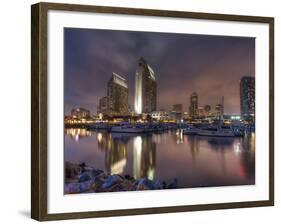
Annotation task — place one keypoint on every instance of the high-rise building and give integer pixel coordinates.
(176, 112)
(207, 110)
(145, 88)
(193, 108)
(247, 97)
(177, 108)
(80, 113)
(201, 112)
(117, 95)
(103, 105)
(219, 109)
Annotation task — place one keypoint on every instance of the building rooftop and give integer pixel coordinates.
(119, 80)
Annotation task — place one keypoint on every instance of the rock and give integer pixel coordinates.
(173, 184)
(82, 165)
(73, 188)
(128, 185)
(111, 180)
(164, 185)
(128, 177)
(97, 183)
(158, 185)
(115, 188)
(95, 180)
(84, 177)
(85, 185)
(71, 170)
(102, 176)
(145, 184)
(95, 172)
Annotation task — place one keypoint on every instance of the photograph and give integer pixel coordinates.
(157, 110)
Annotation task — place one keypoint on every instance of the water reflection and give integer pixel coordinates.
(193, 160)
(144, 159)
(77, 133)
(193, 144)
(115, 150)
(179, 136)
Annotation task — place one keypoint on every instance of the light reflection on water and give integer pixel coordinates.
(193, 160)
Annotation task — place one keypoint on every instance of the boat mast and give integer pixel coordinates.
(221, 112)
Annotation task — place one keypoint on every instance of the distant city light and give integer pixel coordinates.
(100, 116)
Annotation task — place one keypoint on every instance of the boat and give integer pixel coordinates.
(128, 129)
(191, 130)
(217, 131)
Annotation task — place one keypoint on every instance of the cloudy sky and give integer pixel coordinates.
(183, 63)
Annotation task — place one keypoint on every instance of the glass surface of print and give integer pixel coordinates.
(148, 111)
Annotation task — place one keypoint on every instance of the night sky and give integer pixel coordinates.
(183, 63)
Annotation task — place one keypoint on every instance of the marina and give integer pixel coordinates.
(197, 160)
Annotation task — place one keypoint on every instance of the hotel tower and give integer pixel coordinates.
(145, 88)
(117, 95)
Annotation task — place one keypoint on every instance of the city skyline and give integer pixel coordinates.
(211, 66)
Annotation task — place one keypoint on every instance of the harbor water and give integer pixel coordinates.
(194, 161)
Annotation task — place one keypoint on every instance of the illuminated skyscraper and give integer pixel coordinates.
(207, 110)
(117, 95)
(193, 108)
(176, 112)
(220, 107)
(103, 105)
(201, 112)
(247, 97)
(145, 88)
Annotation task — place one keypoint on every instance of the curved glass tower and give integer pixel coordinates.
(145, 88)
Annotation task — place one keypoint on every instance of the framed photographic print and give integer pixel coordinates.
(138, 111)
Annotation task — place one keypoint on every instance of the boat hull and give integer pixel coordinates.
(216, 134)
(127, 130)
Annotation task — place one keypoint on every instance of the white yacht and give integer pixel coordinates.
(191, 130)
(217, 131)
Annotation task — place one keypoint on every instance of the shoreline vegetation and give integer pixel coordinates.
(80, 178)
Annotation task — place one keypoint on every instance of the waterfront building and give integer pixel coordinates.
(117, 95)
(207, 110)
(160, 115)
(176, 112)
(247, 97)
(103, 105)
(201, 112)
(219, 109)
(80, 113)
(145, 88)
(177, 108)
(233, 119)
(193, 108)
(185, 115)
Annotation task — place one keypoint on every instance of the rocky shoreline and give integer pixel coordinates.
(80, 178)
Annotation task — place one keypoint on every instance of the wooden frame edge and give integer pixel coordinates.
(39, 110)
